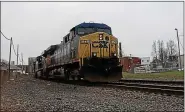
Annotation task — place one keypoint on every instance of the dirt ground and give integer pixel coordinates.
(5, 76)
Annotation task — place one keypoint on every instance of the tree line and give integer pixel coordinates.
(162, 54)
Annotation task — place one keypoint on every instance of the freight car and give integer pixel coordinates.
(88, 51)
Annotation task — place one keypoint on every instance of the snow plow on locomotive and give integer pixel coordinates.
(89, 51)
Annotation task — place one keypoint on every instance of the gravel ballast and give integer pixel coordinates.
(29, 94)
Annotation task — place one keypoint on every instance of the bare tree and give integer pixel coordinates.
(154, 54)
(154, 50)
(171, 49)
(165, 55)
(162, 54)
(161, 51)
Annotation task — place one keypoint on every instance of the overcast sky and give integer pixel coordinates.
(35, 26)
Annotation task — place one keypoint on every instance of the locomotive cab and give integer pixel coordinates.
(98, 54)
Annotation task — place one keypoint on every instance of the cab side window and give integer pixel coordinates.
(66, 39)
(72, 34)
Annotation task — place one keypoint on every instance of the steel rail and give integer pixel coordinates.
(153, 81)
(171, 90)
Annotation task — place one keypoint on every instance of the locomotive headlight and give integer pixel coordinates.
(94, 54)
(100, 36)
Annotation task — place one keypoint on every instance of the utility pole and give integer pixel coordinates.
(178, 48)
(17, 53)
(10, 57)
(22, 62)
(17, 57)
(131, 61)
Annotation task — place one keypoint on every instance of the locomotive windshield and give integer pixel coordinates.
(104, 30)
(85, 31)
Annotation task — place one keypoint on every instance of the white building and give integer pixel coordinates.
(145, 61)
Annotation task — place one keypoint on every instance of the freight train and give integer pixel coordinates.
(89, 52)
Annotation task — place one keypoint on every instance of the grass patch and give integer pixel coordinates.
(171, 75)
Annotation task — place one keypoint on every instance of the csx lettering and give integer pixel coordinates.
(101, 44)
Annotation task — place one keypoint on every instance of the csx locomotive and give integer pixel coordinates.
(89, 51)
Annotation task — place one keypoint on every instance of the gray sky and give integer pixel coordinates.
(35, 26)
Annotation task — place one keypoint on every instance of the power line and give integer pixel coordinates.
(14, 48)
(12, 45)
(20, 59)
(17, 53)
(5, 36)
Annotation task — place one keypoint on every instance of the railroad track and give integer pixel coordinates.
(141, 85)
(167, 89)
(153, 81)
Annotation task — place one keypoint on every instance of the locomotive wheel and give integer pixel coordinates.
(66, 75)
(36, 75)
(73, 77)
(46, 74)
(79, 77)
(41, 74)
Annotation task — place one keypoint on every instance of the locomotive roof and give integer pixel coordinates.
(50, 49)
(92, 25)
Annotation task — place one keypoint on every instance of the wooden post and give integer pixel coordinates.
(17, 58)
(10, 58)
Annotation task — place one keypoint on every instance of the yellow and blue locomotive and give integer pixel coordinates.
(89, 51)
